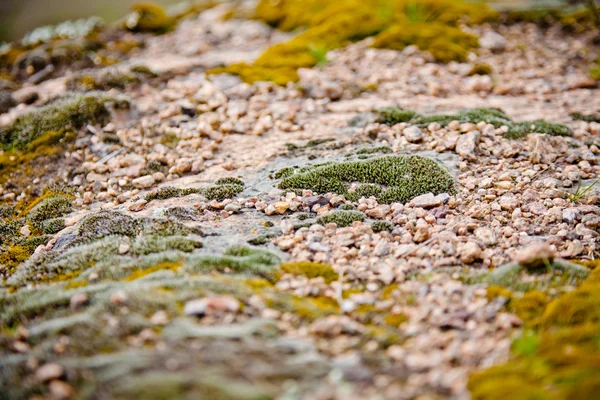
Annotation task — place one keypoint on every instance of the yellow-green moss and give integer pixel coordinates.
(481, 69)
(395, 320)
(149, 17)
(530, 306)
(140, 273)
(310, 270)
(494, 291)
(429, 24)
(559, 359)
(445, 43)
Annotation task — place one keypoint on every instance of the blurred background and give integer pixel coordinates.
(18, 17)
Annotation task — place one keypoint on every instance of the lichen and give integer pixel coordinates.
(400, 178)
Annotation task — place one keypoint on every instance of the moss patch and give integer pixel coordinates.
(310, 270)
(559, 357)
(431, 25)
(70, 112)
(516, 130)
(341, 218)
(224, 188)
(390, 178)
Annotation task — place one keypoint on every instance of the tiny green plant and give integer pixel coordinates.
(319, 52)
(580, 192)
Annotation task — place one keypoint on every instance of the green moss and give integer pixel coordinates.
(149, 17)
(400, 178)
(53, 225)
(261, 239)
(283, 173)
(492, 116)
(237, 260)
(70, 112)
(169, 192)
(341, 218)
(156, 244)
(310, 270)
(382, 226)
(51, 207)
(222, 192)
(375, 150)
(331, 25)
(105, 80)
(366, 191)
(225, 188)
(595, 117)
(523, 128)
(481, 69)
(229, 181)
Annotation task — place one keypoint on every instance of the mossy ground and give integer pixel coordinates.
(558, 357)
(496, 117)
(389, 178)
(431, 25)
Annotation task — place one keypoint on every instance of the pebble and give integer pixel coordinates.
(48, 372)
(211, 306)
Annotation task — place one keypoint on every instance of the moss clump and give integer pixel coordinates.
(140, 273)
(400, 178)
(169, 192)
(595, 117)
(70, 112)
(51, 207)
(530, 306)
(222, 192)
(283, 173)
(481, 69)
(107, 223)
(224, 188)
(382, 226)
(445, 43)
(148, 17)
(310, 270)
(549, 128)
(104, 81)
(374, 150)
(341, 218)
(430, 24)
(53, 226)
(229, 181)
(495, 291)
(156, 244)
(559, 358)
(236, 259)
